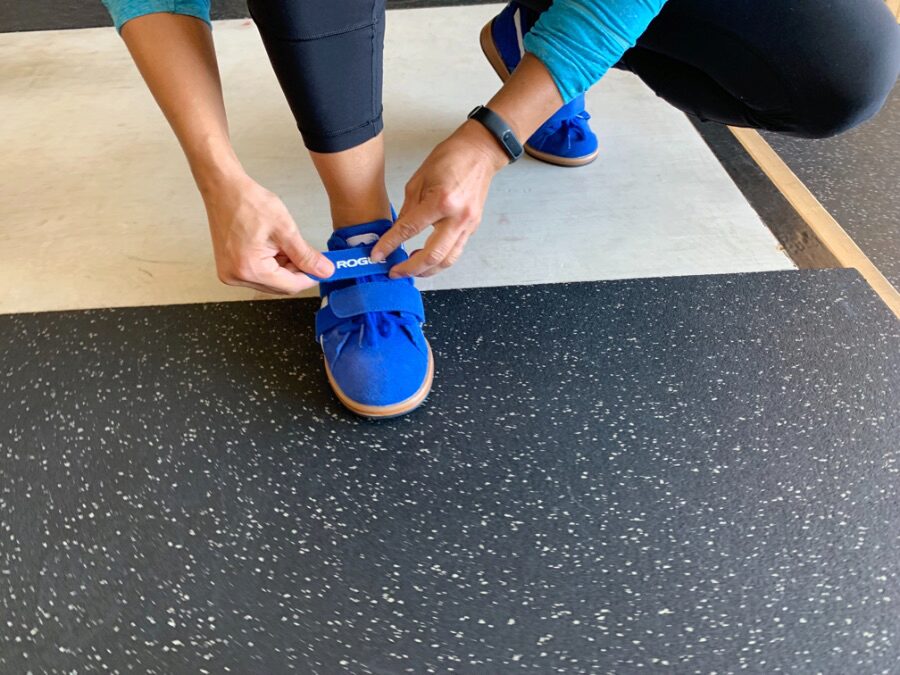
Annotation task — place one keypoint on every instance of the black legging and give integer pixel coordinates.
(808, 68)
(327, 55)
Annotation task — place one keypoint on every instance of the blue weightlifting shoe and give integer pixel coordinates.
(378, 362)
(566, 138)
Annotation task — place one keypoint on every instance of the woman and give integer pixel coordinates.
(809, 68)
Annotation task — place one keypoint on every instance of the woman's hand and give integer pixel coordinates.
(448, 191)
(450, 187)
(256, 242)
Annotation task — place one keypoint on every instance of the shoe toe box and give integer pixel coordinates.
(382, 374)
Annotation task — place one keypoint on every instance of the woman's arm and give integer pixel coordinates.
(255, 240)
(175, 56)
(451, 186)
(571, 46)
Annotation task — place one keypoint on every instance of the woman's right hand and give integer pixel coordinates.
(256, 242)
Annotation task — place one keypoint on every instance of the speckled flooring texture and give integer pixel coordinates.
(856, 177)
(686, 475)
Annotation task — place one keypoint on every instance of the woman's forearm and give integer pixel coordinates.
(175, 56)
(525, 102)
(528, 98)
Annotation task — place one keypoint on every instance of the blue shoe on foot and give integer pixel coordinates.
(566, 138)
(377, 359)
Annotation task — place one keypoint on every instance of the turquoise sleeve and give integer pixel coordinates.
(579, 40)
(125, 10)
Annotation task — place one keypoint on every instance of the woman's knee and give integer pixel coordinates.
(844, 105)
(852, 84)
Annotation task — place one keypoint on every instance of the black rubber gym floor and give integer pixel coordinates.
(686, 475)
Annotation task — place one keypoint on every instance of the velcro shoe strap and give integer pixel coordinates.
(374, 296)
(377, 296)
(352, 263)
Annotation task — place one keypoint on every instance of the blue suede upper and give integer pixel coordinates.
(566, 133)
(370, 328)
(506, 35)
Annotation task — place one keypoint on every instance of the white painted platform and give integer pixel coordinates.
(97, 207)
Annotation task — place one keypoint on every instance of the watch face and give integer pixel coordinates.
(513, 147)
(498, 128)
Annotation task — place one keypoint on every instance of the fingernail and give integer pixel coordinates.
(324, 269)
(376, 256)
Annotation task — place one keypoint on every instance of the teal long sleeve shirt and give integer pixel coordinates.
(123, 11)
(577, 40)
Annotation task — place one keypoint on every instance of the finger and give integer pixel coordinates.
(270, 280)
(305, 257)
(437, 247)
(262, 288)
(412, 195)
(282, 281)
(286, 263)
(257, 287)
(416, 218)
(451, 258)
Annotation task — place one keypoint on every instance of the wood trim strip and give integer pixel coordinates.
(826, 228)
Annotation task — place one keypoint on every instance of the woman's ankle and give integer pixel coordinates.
(354, 182)
(359, 211)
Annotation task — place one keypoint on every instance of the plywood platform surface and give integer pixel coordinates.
(98, 209)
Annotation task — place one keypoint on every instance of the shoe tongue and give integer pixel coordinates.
(364, 234)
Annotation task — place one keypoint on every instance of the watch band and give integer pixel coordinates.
(500, 130)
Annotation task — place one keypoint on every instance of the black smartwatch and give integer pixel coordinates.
(500, 130)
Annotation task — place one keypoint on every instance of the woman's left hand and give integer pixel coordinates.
(448, 191)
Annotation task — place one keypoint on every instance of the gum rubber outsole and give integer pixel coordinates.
(492, 54)
(385, 411)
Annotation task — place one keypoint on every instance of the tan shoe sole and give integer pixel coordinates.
(385, 411)
(493, 56)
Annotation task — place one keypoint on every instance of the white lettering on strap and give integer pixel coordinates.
(355, 262)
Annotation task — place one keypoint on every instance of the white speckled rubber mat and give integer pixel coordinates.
(686, 475)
